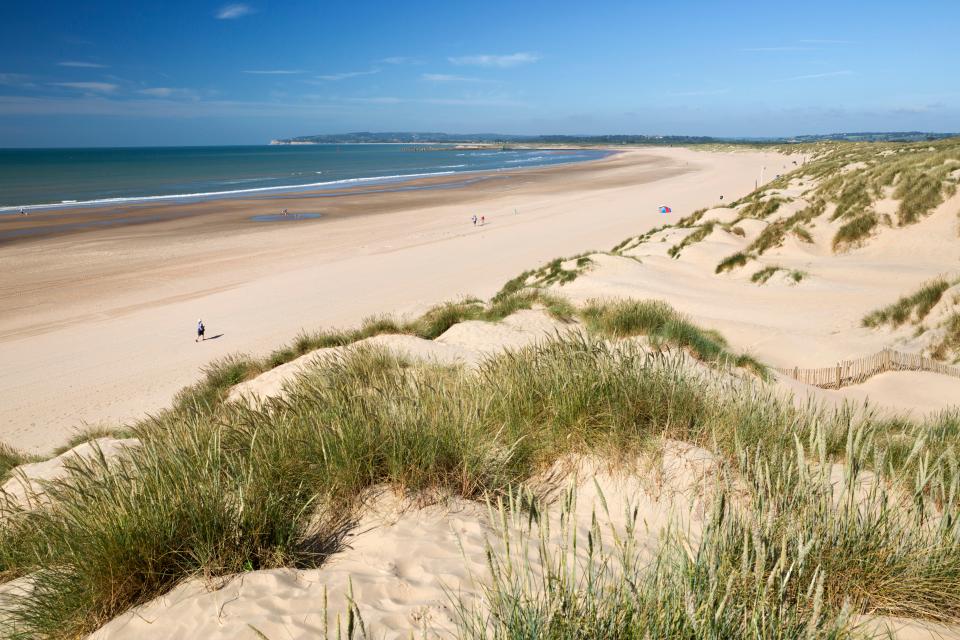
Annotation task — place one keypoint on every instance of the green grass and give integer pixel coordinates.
(761, 276)
(91, 433)
(948, 346)
(761, 209)
(699, 235)
(663, 325)
(218, 488)
(855, 231)
(913, 307)
(10, 458)
(690, 220)
(733, 261)
(796, 561)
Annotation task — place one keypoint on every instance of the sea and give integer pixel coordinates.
(61, 178)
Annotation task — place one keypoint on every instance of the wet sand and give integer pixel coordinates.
(97, 319)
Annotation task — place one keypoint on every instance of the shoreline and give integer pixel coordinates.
(79, 217)
(185, 198)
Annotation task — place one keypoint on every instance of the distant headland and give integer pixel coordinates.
(407, 137)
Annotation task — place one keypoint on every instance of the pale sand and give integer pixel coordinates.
(98, 327)
(26, 487)
(443, 558)
(466, 343)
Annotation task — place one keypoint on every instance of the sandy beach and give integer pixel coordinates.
(97, 325)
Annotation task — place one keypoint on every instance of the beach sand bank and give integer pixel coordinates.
(98, 325)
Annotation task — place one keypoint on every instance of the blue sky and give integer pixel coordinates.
(195, 72)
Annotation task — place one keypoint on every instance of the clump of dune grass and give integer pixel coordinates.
(11, 458)
(690, 220)
(699, 235)
(636, 241)
(761, 276)
(662, 325)
(761, 209)
(949, 342)
(855, 231)
(89, 433)
(733, 261)
(798, 558)
(913, 307)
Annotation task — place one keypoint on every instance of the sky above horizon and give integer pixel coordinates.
(121, 73)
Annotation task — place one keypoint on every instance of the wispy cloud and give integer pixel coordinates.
(827, 41)
(828, 74)
(234, 11)
(103, 104)
(101, 87)
(378, 100)
(781, 48)
(698, 92)
(399, 60)
(333, 77)
(491, 60)
(81, 65)
(274, 72)
(446, 77)
(475, 101)
(168, 92)
(13, 79)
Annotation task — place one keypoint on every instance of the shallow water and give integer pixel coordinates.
(45, 178)
(290, 217)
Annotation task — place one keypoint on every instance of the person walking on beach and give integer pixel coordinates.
(483, 220)
(474, 218)
(200, 331)
(23, 211)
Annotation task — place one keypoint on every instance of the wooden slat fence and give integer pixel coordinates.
(856, 371)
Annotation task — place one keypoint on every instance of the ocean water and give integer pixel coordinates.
(35, 178)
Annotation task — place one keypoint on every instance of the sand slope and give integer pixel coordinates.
(405, 565)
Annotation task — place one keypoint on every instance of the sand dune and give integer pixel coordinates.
(405, 567)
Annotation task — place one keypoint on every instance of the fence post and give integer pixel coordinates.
(838, 375)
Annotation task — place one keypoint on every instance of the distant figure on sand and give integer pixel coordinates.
(200, 331)
(483, 220)
(721, 198)
(23, 211)
(474, 218)
(284, 212)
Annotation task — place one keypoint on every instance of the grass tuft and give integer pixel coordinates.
(913, 307)
(738, 259)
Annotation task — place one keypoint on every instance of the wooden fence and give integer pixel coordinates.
(856, 371)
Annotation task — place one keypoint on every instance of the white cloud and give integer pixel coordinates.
(813, 41)
(234, 11)
(479, 101)
(13, 78)
(81, 65)
(698, 92)
(377, 100)
(828, 74)
(348, 74)
(490, 60)
(774, 49)
(399, 60)
(168, 92)
(446, 77)
(102, 87)
(274, 72)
